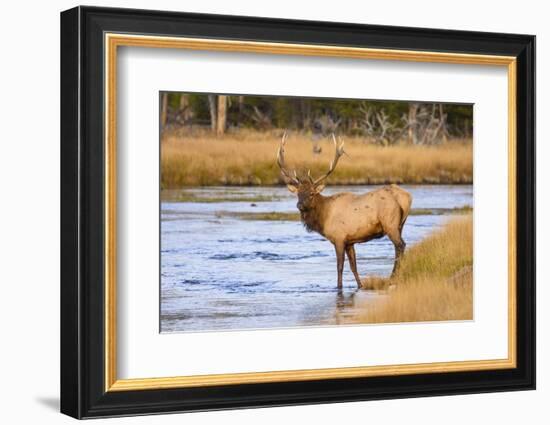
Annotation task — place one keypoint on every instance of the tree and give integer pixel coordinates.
(213, 108)
(163, 109)
(426, 124)
(412, 136)
(378, 125)
(383, 122)
(222, 115)
(185, 111)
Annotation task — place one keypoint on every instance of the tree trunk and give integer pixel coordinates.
(212, 106)
(222, 115)
(163, 109)
(183, 102)
(412, 132)
(241, 105)
(305, 109)
(185, 111)
(443, 118)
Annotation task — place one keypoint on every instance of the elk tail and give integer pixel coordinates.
(404, 199)
(405, 208)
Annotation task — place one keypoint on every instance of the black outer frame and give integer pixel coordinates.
(82, 217)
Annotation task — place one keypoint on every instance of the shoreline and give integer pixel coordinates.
(231, 194)
(342, 183)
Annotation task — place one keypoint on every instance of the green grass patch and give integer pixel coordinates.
(441, 211)
(291, 216)
(182, 196)
(263, 216)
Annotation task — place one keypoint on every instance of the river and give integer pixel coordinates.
(224, 269)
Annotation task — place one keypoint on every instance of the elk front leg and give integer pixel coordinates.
(350, 250)
(339, 262)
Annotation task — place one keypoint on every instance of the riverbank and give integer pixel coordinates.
(247, 158)
(434, 282)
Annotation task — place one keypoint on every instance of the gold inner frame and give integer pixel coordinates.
(113, 41)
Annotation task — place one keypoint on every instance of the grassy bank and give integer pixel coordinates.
(433, 283)
(188, 196)
(248, 158)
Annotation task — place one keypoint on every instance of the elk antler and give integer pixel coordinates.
(309, 176)
(339, 152)
(281, 163)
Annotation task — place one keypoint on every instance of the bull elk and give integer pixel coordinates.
(345, 218)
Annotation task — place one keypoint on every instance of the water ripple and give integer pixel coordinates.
(269, 256)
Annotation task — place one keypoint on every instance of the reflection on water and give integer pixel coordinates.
(222, 272)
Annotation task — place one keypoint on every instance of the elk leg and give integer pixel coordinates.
(350, 250)
(399, 245)
(339, 262)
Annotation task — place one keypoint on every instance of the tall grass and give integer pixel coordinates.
(247, 157)
(433, 283)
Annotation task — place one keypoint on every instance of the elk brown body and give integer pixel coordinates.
(345, 218)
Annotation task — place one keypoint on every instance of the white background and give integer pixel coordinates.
(143, 352)
(29, 172)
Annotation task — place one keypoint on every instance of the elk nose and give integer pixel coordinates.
(300, 206)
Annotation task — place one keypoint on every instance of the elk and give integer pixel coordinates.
(345, 219)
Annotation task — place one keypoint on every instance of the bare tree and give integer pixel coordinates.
(184, 114)
(213, 109)
(411, 123)
(163, 109)
(222, 115)
(261, 119)
(323, 126)
(423, 124)
(240, 100)
(378, 126)
(305, 113)
(426, 124)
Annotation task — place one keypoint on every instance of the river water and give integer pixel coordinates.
(222, 270)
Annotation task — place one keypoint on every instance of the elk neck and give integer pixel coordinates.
(313, 219)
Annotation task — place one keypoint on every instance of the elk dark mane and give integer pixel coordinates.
(311, 222)
(312, 219)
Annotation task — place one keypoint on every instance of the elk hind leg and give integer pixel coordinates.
(350, 251)
(399, 245)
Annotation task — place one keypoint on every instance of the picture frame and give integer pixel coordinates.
(90, 39)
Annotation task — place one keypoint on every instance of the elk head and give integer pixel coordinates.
(306, 189)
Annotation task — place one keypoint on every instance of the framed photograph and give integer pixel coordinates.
(261, 212)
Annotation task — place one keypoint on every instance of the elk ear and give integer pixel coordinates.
(292, 188)
(319, 189)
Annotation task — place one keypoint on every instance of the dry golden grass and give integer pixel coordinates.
(433, 283)
(442, 254)
(247, 157)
